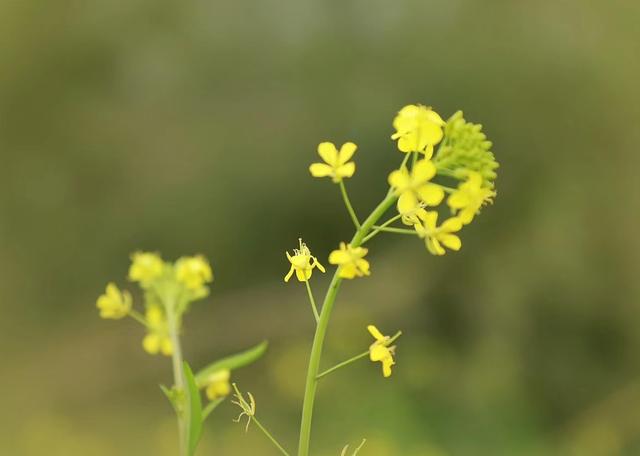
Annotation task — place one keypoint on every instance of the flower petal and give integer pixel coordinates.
(328, 152)
(378, 352)
(320, 170)
(407, 202)
(431, 194)
(451, 241)
(375, 333)
(346, 170)
(451, 225)
(338, 257)
(423, 171)
(399, 179)
(346, 152)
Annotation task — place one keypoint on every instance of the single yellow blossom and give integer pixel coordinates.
(193, 272)
(337, 164)
(438, 236)
(157, 339)
(379, 351)
(414, 188)
(145, 267)
(114, 304)
(351, 261)
(470, 197)
(302, 262)
(418, 129)
(218, 384)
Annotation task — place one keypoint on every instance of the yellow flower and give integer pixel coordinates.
(351, 261)
(218, 384)
(470, 197)
(418, 129)
(438, 236)
(114, 303)
(145, 267)
(193, 272)
(379, 351)
(414, 188)
(157, 338)
(302, 262)
(335, 165)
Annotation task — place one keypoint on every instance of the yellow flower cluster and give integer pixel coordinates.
(114, 304)
(350, 261)
(418, 129)
(336, 163)
(380, 350)
(157, 339)
(193, 272)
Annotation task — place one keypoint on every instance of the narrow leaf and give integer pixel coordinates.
(194, 410)
(232, 362)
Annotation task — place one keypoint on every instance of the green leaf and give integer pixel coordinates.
(232, 362)
(194, 410)
(171, 395)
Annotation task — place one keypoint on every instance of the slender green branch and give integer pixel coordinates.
(211, 406)
(137, 316)
(395, 230)
(269, 436)
(321, 329)
(342, 364)
(178, 376)
(377, 229)
(313, 301)
(355, 358)
(347, 203)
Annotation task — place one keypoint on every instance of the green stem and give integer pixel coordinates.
(269, 436)
(178, 376)
(137, 316)
(313, 301)
(377, 229)
(395, 230)
(321, 329)
(355, 358)
(347, 203)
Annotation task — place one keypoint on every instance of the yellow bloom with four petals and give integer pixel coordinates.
(114, 304)
(193, 272)
(438, 236)
(418, 129)
(145, 267)
(157, 339)
(337, 164)
(218, 384)
(414, 188)
(470, 197)
(350, 260)
(379, 351)
(302, 263)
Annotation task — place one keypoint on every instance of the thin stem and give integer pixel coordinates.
(178, 377)
(313, 301)
(396, 230)
(321, 329)
(377, 229)
(269, 436)
(342, 364)
(211, 406)
(347, 203)
(137, 316)
(356, 358)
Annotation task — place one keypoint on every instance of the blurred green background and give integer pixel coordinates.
(187, 127)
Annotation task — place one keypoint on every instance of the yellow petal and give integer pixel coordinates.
(303, 274)
(434, 246)
(458, 200)
(329, 153)
(407, 202)
(317, 264)
(378, 352)
(338, 257)
(386, 367)
(375, 333)
(289, 274)
(430, 219)
(348, 271)
(320, 170)
(399, 179)
(452, 224)
(434, 117)
(451, 241)
(423, 171)
(431, 194)
(346, 152)
(408, 142)
(430, 133)
(151, 343)
(346, 170)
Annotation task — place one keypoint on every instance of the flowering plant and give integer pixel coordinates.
(451, 182)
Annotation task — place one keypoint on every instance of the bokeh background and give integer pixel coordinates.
(187, 127)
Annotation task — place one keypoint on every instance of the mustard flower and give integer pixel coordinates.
(157, 339)
(418, 129)
(145, 267)
(302, 263)
(379, 351)
(337, 164)
(114, 304)
(351, 261)
(438, 236)
(218, 384)
(193, 272)
(414, 188)
(470, 197)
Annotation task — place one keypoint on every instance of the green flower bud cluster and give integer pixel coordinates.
(466, 148)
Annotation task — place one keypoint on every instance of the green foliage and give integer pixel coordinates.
(193, 410)
(232, 362)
